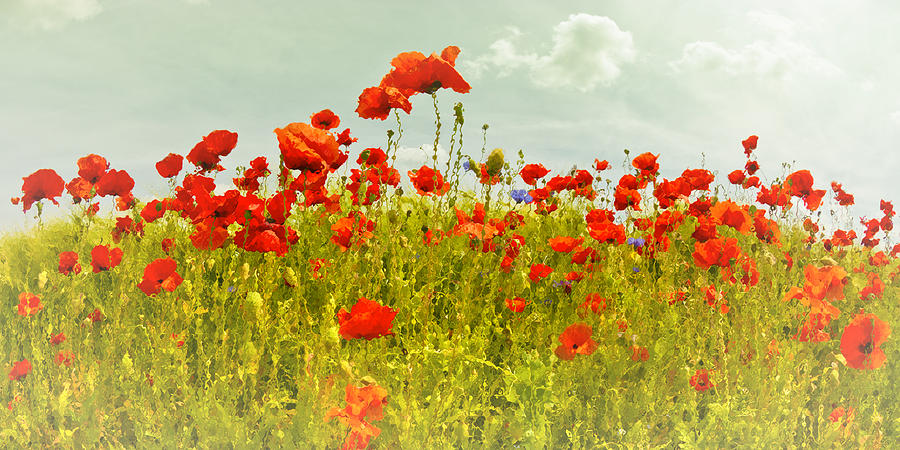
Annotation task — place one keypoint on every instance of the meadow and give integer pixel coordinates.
(319, 301)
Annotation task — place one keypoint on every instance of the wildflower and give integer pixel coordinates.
(636, 242)
(102, 258)
(96, 315)
(64, 357)
(42, 184)
(516, 304)
(366, 319)
(521, 195)
(57, 339)
(593, 302)
(639, 353)
(160, 274)
(68, 263)
(115, 183)
(576, 339)
(700, 380)
(428, 181)
(377, 102)
(306, 148)
(860, 343)
(92, 167)
(539, 272)
(532, 172)
(29, 304)
(413, 73)
(564, 244)
(362, 403)
(19, 370)
(325, 120)
(600, 166)
(169, 166)
(750, 144)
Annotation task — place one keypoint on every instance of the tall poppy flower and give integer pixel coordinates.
(539, 272)
(29, 304)
(304, 147)
(413, 73)
(377, 102)
(169, 166)
(103, 258)
(115, 182)
(860, 343)
(428, 181)
(750, 144)
(366, 319)
(700, 380)
(325, 120)
(532, 172)
(20, 369)
(43, 183)
(92, 167)
(516, 304)
(576, 339)
(160, 274)
(68, 263)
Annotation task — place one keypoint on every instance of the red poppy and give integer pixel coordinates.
(428, 181)
(92, 167)
(57, 339)
(102, 258)
(64, 357)
(600, 166)
(344, 138)
(207, 153)
(593, 302)
(96, 315)
(716, 252)
(539, 272)
(160, 274)
(325, 120)
(700, 380)
(564, 244)
(20, 369)
(362, 403)
(860, 343)
(730, 213)
(413, 73)
(167, 245)
(169, 166)
(376, 102)
(80, 189)
(516, 304)
(372, 156)
(751, 167)
(353, 229)
(750, 144)
(736, 177)
(306, 148)
(532, 172)
(43, 183)
(576, 339)
(29, 304)
(639, 353)
(366, 319)
(646, 163)
(115, 182)
(178, 342)
(68, 263)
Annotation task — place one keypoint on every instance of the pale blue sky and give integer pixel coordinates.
(133, 81)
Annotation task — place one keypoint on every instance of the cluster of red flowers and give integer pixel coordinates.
(363, 405)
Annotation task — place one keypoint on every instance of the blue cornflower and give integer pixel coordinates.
(231, 289)
(518, 195)
(466, 165)
(635, 269)
(637, 242)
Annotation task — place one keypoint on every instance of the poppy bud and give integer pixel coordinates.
(495, 162)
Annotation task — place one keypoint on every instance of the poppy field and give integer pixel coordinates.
(327, 300)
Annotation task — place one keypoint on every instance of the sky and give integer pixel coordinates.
(134, 80)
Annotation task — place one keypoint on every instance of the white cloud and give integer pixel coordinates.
(51, 14)
(587, 51)
(780, 57)
(413, 158)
